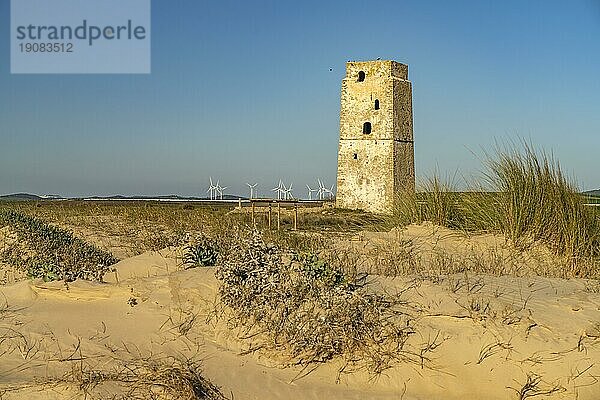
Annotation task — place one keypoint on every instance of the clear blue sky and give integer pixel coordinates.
(242, 91)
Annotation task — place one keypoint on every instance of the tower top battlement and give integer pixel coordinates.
(377, 69)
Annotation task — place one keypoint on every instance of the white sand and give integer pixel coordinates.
(541, 326)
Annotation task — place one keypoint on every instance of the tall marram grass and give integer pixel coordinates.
(437, 202)
(537, 202)
(524, 194)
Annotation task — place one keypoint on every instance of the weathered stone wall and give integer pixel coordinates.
(364, 182)
(373, 167)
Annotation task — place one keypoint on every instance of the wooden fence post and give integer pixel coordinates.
(269, 216)
(278, 215)
(296, 217)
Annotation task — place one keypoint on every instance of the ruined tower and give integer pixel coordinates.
(376, 151)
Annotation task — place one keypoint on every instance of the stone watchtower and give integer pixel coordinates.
(376, 151)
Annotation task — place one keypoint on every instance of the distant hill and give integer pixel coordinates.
(29, 197)
(595, 193)
(171, 197)
(20, 197)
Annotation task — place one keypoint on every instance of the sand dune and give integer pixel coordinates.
(488, 336)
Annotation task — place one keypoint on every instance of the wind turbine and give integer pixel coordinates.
(279, 189)
(310, 192)
(288, 192)
(329, 191)
(220, 189)
(211, 189)
(251, 189)
(322, 189)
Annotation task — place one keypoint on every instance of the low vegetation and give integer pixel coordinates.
(201, 252)
(48, 252)
(524, 196)
(303, 295)
(149, 378)
(310, 310)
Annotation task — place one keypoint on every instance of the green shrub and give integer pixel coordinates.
(203, 252)
(319, 270)
(44, 270)
(309, 309)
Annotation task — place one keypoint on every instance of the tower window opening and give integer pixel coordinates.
(366, 128)
(361, 76)
(377, 104)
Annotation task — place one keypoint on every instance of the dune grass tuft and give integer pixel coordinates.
(524, 195)
(536, 201)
